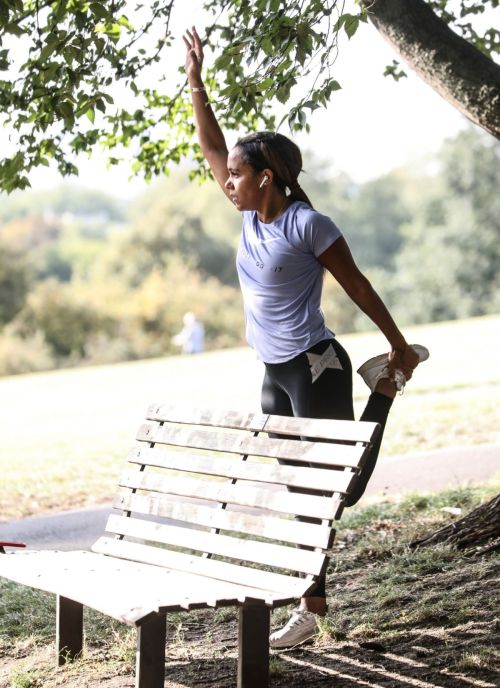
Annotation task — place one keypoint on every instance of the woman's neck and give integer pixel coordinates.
(272, 208)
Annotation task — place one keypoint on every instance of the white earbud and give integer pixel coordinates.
(264, 181)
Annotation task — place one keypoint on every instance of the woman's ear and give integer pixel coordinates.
(267, 178)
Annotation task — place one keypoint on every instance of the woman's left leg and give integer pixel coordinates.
(329, 396)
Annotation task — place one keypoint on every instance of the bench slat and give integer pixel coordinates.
(325, 479)
(339, 455)
(241, 495)
(178, 561)
(272, 527)
(269, 554)
(323, 428)
(117, 587)
(174, 413)
(336, 430)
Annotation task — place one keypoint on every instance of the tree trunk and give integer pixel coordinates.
(479, 529)
(458, 71)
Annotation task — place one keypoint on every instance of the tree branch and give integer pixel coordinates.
(459, 72)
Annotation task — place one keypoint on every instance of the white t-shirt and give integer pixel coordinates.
(281, 280)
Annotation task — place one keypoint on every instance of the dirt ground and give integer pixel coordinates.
(430, 652)
(418, 661)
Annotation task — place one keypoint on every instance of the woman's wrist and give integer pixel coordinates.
(399, 345)
(196, 83)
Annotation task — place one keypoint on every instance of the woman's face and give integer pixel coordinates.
(243, 182)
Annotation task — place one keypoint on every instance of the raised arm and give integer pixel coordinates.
(210, 136)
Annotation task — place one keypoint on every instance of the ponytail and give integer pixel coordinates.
(297, 193)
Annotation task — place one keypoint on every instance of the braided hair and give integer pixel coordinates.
(265, 149)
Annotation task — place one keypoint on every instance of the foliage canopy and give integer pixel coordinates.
(74, 73)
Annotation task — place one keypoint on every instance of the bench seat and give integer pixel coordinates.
(215, 508)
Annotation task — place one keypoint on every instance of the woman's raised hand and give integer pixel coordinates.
(194, 54)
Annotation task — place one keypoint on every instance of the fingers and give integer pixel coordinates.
(407, 372)
(395, 362)
(193, 43)
(410, 358)
(406, 361)
(197, 44)
(196, 38)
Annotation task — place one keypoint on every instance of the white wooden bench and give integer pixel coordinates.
(205, 518)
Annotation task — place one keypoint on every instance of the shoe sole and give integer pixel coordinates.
(299, 642)
(422, 351)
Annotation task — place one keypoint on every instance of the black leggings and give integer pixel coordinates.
(288, 390)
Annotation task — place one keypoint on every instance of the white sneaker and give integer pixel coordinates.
(377, 368)
(301, 626)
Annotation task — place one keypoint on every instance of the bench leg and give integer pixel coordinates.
(253, 646)
(150, 657)
(69, 629)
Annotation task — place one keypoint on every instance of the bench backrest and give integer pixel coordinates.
(205, 494)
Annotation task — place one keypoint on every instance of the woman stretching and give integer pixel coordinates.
(284, 249)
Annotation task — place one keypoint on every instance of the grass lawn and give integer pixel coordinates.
(397, 618)
(64, 434)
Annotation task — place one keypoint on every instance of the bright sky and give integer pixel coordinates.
(371, 126)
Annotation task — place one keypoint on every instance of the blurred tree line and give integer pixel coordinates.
(85, 278)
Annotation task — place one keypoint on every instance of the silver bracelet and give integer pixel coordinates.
(198, 89)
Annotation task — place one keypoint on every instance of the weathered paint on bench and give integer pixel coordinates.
(207, 517)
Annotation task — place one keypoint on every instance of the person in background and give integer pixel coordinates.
(192, 336)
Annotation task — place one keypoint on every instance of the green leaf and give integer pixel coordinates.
(66, 109)
(4, 13)
(264, 85)
(311, 105)
(14, 29)
(395, 71)
(283, 93)
(331, 87)
(91, 114)
(99, 10)
(80, 19)
(125, 22)
(49, 47)
(223, 61)
(351, 25)
(285, 64)
(267, 46)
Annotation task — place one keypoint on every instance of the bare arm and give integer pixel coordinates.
(338, 260)
(210, 136)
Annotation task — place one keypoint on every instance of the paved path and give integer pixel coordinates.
(425, 472)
